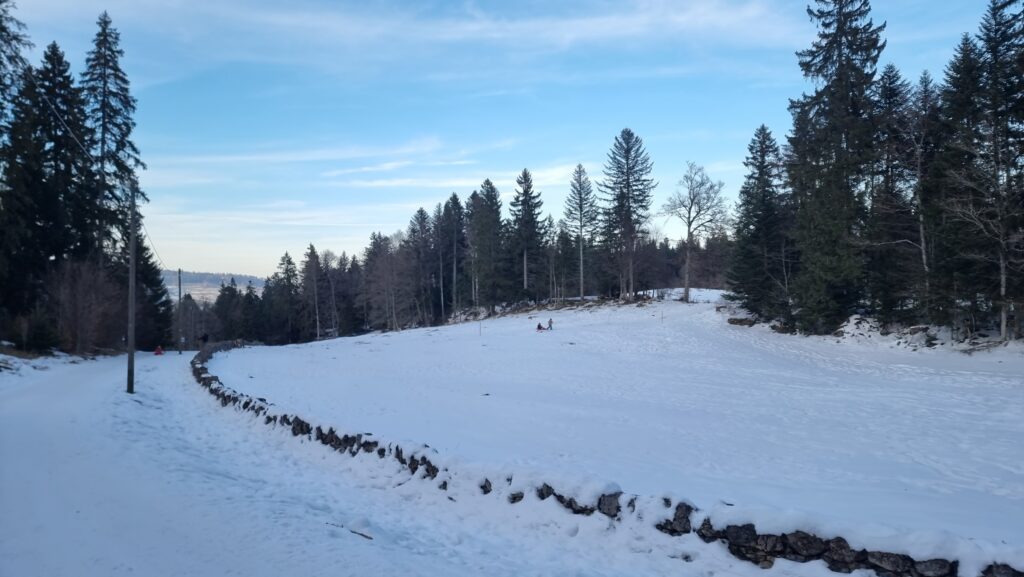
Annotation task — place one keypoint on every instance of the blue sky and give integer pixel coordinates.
(268, 125)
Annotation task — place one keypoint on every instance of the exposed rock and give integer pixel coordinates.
(707, 531)
(805, 545)
(516, 497)
(679, 524)
(486, 486)
(443, 486)
(544, 491)
(609, 504)
(840, 557)
(891, 562)
(1001, 570)
(934, 568)
(741, 535)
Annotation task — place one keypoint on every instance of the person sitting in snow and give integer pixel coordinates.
(540, 327)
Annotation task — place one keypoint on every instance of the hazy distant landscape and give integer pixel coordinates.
(204, 285)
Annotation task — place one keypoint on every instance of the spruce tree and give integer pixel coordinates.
(484, 227)
(23, 230)
(111, 109)
(68, 201)
(760, 268)
(628, 189)
(527, 231)
(957, 278)
(13, 41)
(890, 229)
(833, 176)
(581, 213)
(418, 243)
(924, 134)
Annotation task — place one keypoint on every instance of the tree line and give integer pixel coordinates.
(68, 169)
(902, 201)
(467, 259)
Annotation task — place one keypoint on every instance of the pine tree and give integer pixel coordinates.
(890, 228)
(956, 278)
(581, 213)
(282, 303)
(23, 254)
(111, 108)
(310, 290)
(527, 230)
(760, 269)
(995, 209)
(13, 41)
(836, 120)
(68, 202)
(454, 237)
(628, 189)
(923, 134)
(484, 231)
(418, 243)
(228, 308)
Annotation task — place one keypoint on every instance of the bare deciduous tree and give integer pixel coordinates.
(699, 204)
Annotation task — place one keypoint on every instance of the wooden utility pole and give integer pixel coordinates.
(181, 336)
(131, 296)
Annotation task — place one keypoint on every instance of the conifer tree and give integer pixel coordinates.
(995, 209)
(68, 202)
(527, 230)
(111, 109)
(836, 120)
(760, 269)
(484, 228)
(13, 41)
(418, 244)
(890, 229)
(628, 189)
(581, 214)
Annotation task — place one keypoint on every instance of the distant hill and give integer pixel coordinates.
(204, 285)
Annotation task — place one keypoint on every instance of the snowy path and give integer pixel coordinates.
(94, 482)
(920, 452)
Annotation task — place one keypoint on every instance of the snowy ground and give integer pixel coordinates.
(97, 483)
(899, 450)
(912, 451)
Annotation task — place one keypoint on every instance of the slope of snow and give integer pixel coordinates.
(98, 483)
(910, 451)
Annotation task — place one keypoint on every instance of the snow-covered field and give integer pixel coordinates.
(908, 451)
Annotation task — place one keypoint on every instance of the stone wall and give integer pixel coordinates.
(743, 541)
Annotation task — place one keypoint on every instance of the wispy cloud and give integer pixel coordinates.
(284, 156)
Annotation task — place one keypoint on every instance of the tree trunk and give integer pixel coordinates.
(686, 272)
(1003, 305)
(524, 270)
(440, 278)
(581, 267)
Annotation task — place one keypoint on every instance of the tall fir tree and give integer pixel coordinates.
(68, 202)
(484, 228)
(836, 121)
(111, 109)
(13, 41)
(527, 232)
(581, 214)
(628, 189)
(890, 228)
(955, 282)
(761, 266)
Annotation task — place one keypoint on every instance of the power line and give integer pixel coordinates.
(153, 246)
